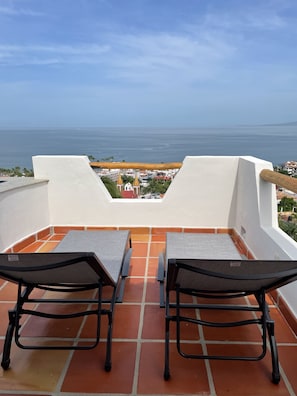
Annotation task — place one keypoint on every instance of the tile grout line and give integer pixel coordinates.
(66, 366)
(204, 351)
(282, 371)
(140, 327)
(139, 342)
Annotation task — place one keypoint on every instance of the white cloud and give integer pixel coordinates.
(50, 54)
(60, 49)
(265, 16)
(12, 11)
(163, 57)
(245, 20)
(148, 58)
(225, 58)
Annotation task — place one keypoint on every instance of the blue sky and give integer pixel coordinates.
(154, 63)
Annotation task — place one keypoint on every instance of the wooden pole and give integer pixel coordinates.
(136, 165)
(287, 182)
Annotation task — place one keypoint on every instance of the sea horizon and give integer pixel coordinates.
(276, 143)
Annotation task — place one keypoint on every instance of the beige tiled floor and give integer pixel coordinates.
(138, 346)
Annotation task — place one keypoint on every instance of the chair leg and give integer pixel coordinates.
(274, 353)
(108, 343)
(166, 369)
(8, 340)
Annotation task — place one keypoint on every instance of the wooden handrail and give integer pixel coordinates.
(287, 182)
(136, 165)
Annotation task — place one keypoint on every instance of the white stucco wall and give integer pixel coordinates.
(201, 195)
(257, 220)
(23, 210)
(256, 213)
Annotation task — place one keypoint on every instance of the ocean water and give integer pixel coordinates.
(272, 143)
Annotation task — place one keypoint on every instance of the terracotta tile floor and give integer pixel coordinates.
(138, 347)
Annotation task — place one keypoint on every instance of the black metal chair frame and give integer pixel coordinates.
(244, 284)
(61, 262)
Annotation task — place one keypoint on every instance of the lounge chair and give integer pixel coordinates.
(215, 279)
(83, 260)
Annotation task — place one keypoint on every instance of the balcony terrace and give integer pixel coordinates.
(208, 195)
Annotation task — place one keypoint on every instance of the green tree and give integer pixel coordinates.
(16, 172)
(286, 204)
(111, 187)
(107, 159)
(28, 172)
(289, 228)
(283, 172)
(127, 179)
(157, 186)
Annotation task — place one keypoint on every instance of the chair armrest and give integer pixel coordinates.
(126, 264)
(161, 268)
(161, 278)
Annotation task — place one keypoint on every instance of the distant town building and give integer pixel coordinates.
(120, 183)
(141, 179)
(128, 191)
(291, 167)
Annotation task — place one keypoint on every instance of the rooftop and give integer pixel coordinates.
(138, 343)
(209, 195)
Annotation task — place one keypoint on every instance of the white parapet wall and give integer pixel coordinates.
(207, 192)
(201, 195)
(256, 218)
(23, 209)
(257, 221)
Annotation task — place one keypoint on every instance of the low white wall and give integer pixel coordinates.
(23, 210)
(256, 213)
(201, 195)
(256, 204)
(257, 221)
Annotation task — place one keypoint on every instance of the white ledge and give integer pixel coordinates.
(11, 183)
